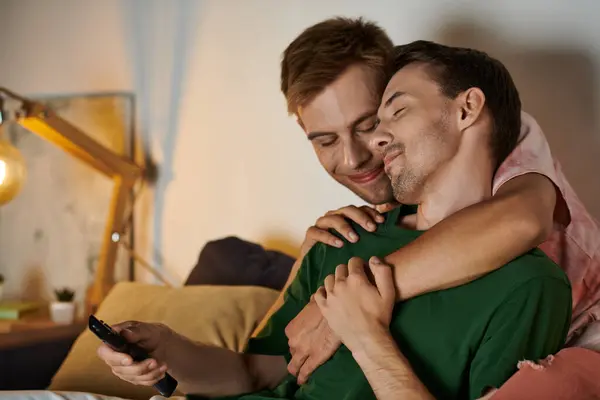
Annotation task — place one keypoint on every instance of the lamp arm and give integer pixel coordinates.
(44, 122)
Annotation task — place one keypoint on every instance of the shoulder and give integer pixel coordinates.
(532, 154)
(536, 263)
(532, 272)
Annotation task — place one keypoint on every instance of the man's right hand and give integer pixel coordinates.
(153, 339)
(365, 216)
(312, 342)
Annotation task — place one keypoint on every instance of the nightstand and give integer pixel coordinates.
(32, 349)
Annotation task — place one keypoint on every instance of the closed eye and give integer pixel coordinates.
(399, 111)
(369, 128)
(327, 143)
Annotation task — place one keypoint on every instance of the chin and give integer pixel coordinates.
(407, 188)
(403, 195)
(381, 194)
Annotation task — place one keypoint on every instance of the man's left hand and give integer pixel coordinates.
(354, 308)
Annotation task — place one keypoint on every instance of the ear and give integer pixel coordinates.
(470, 103)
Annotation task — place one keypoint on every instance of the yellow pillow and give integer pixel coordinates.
(218, 315)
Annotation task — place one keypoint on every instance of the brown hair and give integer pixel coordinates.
(322, 52)
(457, 69)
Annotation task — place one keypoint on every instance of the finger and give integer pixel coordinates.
(341, 272)
(383, 208)
(124, 325)
(338, 223)
(328, 349)
(111, 357)
(296, 363)
(329, 283)
(153, 376)
(356, 266)
(360, 216)
(133, 331)
(132, 372)
(384, 279)
(148, 383)
(375, 215)
(319, 235)
(307, 368)
(321, 298)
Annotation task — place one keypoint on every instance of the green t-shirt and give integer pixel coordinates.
(459, 341)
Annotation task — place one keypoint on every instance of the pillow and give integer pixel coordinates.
(221, 316)
(233, 261)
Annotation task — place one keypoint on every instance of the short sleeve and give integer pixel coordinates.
(530, 325)
(272, 339)
(532, 154)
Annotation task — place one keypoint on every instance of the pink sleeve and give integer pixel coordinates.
(532, 154)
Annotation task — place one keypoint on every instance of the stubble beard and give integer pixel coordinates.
(406, 187)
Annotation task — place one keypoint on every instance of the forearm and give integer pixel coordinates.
(477, 239)
(387, 370)
(213, 371)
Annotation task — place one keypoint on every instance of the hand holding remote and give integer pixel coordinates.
(149, 340)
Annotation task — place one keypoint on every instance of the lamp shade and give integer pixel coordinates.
(12, 171)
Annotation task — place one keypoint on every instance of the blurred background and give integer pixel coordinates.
(208, 114)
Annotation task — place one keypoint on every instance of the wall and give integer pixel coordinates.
(211, 116)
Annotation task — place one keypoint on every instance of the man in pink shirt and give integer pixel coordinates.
(574, 241)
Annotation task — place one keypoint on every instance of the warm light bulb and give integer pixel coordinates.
(12, 172)
(2, 171)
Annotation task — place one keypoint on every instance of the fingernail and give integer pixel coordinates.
(379, 218)
(370, 226)
(353, 236)
(151, 364)
(125, 362)
(375, 260)
(338, 243)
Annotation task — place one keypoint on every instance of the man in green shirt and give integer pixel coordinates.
(458, 341)
(440, 122)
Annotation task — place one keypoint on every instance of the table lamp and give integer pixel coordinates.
(42, 121)
(12, 170)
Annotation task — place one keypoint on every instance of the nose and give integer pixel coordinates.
(356, 154)
(380, 139)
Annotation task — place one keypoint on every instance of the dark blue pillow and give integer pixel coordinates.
(235, 262)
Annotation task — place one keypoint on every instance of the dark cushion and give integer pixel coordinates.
(233, 262)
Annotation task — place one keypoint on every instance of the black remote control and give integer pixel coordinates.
(166, 386)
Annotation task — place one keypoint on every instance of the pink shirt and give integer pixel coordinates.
(572, 374)
(575, 247)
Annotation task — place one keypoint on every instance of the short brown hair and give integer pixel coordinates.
(456, 69)
(322, 52)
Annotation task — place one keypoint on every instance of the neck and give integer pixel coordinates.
(464, 180)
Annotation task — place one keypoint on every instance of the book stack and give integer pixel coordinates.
(14, 310)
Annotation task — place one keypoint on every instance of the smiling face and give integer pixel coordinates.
(418, 127)
(339, 122)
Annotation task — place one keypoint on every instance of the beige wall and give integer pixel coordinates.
(211, 115)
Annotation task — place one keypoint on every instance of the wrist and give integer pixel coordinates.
(166, 336)
(376, 340)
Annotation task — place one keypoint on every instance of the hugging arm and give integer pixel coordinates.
(459, 249)
(477, 239)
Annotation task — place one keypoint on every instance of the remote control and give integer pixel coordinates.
(166, 386)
